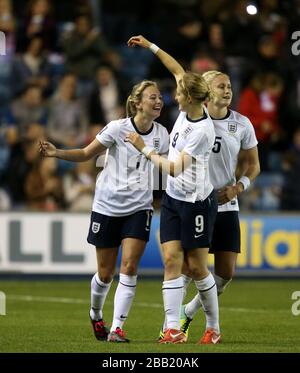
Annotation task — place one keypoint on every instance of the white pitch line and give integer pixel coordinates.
(30, 298)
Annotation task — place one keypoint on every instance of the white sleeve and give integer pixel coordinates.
(196, 144)
(108, 135)
(249, 140)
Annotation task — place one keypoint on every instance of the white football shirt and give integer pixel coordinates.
(234, 132)
(196, 138)
(125, 185)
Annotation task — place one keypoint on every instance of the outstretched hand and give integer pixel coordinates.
(138, 40)
(47, 149)
(136, 140)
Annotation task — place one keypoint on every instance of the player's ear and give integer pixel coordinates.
(139, 106)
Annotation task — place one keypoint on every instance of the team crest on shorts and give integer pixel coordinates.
(95, 227)
(232, 127)
(156, 143)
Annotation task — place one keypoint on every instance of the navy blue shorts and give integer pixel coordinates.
(226, 234)
(190, 223)
(109, 231)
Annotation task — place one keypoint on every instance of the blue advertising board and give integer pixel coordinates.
(269, 245)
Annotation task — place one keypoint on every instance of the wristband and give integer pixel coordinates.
(245, 181)
(147, 150)
(154, 48)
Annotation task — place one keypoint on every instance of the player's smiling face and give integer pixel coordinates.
(221, 91)
(152, 102)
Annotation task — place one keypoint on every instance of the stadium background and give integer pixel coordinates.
(66, 72)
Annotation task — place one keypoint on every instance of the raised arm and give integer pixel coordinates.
(171, 64)
(74, 155)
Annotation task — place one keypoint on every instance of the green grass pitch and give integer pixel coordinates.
(53, 316)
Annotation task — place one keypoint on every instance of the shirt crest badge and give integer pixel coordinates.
(156, 143)
(232, 127)
(186, 131)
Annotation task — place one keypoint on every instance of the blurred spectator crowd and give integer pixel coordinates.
(67, 72)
